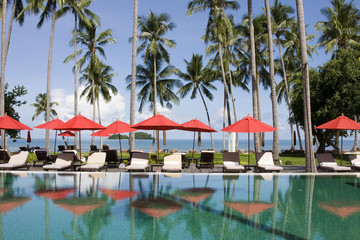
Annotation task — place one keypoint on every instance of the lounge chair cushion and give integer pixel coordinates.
(64, 160)
(270, 167)
(330, 164)
(172, 163)
(355, 163)
(138, 164)
(92, 166)
(96, 158)
(16, 160)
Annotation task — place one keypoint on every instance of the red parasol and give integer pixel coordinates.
(8, 204)
(28, 139)
(67, 134)
(100, 133)
(55, 194)
(79, 206)
(80, 123)
(52, 125)
(157, 122)
(249, 125)
(340, 123)
(116, 128)
(196, 195)
(342, 209)
(158, 208)
(249, 209)
(196, 126)
(118, 195)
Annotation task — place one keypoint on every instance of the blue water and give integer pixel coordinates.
(182, 145)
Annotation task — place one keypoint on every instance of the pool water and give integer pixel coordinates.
(178, 206)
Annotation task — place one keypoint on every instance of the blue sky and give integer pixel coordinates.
(27, 63)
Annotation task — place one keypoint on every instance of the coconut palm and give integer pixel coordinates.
(79, 8)
(198, 82)
(153, 44)
(165, 85)
(309, 150)
(133, 74)
(341, 30)
(40, 107)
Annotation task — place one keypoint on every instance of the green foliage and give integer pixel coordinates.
(138, 135)
(335, 89)
(116, 136)
(12, 101)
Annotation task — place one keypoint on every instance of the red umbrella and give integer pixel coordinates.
(195, 195)
(28, 139)
(100, 133)
(249, 125)
(196, 126)
(157, 122)
(55, 194)
(340, 123)
(116, 128)
(118, 195)
(8, 204)
(342, 209)
(67, 134)
(79, 206)
(249, 209)
(158, 208)
(53, 125)
(80, 123)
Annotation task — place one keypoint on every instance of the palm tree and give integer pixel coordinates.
(341, 30)
(198, 81)
(40, 107)
(273, 90)
(48, 11)
(96, 84)
(79, 8)
(309, 150)
(165, 85)
(93, 45)
(133, 75)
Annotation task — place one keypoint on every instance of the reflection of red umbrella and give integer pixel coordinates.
(118, 195)
(53, 125)
(196, 126)
(67, 134)
(195, 195)
(249, 125)
(116, 128)
(340, 123)
(8, 204)
(157, 122)
(55, 194)
(80, 123)
(249, 209)
(79, 206)
(342, 209)
(158, 208)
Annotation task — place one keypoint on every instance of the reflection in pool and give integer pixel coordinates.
(186, 206)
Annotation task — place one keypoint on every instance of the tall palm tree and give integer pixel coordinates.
(198, 81)
(309, 150)
(341, 30)
(79, 8)
(133, 75)
(3, 57)
(40, 107)
(273, 90)
(49, 10)
(165, 85)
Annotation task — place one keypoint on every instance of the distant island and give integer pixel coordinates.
(138, 135)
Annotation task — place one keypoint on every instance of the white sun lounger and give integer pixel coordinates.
(355, 161)
(172, 163)
(326, 162)
(17, 160)
(63, 161)
(95, 162)
(139, 163)
(265, 162)
(231, 162)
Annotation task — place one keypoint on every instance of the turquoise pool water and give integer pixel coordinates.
(178, 206)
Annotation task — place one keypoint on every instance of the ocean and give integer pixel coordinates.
(182, 145)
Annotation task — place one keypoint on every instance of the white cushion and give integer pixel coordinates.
(97, 158)
(355, 163)
(266, 159)
(139, 161)
(330, 164)
(92, 166)
(19, 158)
(230, 164)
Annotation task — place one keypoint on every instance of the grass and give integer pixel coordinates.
(286, 159)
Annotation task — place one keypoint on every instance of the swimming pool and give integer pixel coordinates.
(178, 206)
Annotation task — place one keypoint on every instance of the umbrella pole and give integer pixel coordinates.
(120, 146)
(192, 158)
(80, 143)
(341, 155)
(55, 142)
(158, 145)
(248, 148)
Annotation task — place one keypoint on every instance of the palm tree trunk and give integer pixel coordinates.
(98, 106)
(299, 137)
(234, 108)
(48, 82)
(133, 75)
(356, 143)
(309, 150)
(10, 29)
(273, 90)
(76, 140)
(94, 109)
(224, 117)
(155, 109)
(253, 73)
(208, 117)
(3, 57)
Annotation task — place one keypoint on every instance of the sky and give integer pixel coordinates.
(28, 54)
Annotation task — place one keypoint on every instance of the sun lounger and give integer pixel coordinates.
(105, 147)
(43, 156)
(139, 162)
(172, 163)
(265, 162)
(17, 160)
(61, 148)
(95, 162)
(93, 148)
(112, 158)
(326, 162)
(207, 159)
(355, 161)
(4, 156)
(231, 162)
(63, 161)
